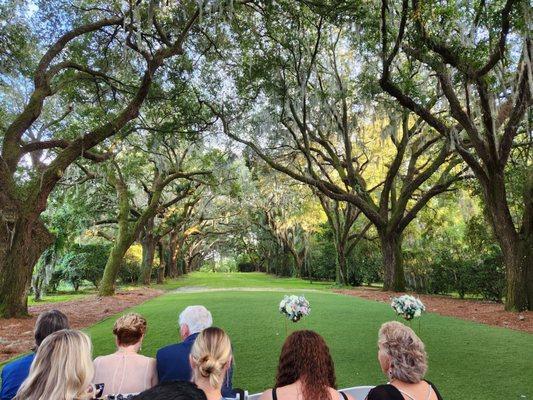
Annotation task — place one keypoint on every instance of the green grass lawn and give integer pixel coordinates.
(207, 279)
(467, 360)
(240, 280)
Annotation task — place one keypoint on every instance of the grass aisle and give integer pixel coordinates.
(467, 360)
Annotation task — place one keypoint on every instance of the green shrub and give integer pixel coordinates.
(483, 276)
(130, 269)
(365, 264)
(82, 263)
(246, 267)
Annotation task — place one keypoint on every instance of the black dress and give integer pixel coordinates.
(389, 392)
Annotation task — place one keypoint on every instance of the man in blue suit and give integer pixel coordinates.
(173, 360)
(17, 371)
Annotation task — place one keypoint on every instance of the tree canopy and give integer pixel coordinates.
(354, 141)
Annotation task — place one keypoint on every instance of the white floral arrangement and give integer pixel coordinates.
(294, 307)
(408, 307)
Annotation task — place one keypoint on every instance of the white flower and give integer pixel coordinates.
(294, 307)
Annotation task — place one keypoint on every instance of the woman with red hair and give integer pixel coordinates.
(305, 370)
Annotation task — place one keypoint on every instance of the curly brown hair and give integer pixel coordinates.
(305, 356)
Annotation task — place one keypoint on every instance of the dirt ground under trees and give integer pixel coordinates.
(16, 334)
(485, 312)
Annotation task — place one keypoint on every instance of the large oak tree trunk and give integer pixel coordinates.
(173, 248)
(22, 241)
(114, 261)
(124, 240)
(162, 263)
(341, 276)
(391, 249)
(148, 243)
(516, 246)
(526, 235)
(517, 265)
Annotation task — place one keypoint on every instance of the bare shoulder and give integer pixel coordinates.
(336, 395)
(267, 395)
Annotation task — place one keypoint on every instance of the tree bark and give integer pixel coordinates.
(114, 261)
(22, 241)
(162, 263)
(298, 257)
(148, 243)
(173, 248)
(391, 248)
(515, 245)
(526, 234)
(342, 266)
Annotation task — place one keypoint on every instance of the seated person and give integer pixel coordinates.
(172, 391)
(62, 368)
(17, 371)
(210, 361)
(126, 371)
(305, 370)
(173, 361)
(403, 359)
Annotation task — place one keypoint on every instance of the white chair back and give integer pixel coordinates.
(358, 392)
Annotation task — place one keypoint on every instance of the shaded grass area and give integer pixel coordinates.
(60, 296)
(467, 360)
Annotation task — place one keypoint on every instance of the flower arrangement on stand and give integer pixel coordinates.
(294, 308)
(408, 307)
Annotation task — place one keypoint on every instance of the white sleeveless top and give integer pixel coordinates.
(125, 373)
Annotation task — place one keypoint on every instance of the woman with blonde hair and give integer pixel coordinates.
(402, 357)
(62, 368)
(210, 358)
(126, 371)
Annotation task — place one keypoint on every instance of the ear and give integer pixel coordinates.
(184, 331)
(191, 362)
(228, 363)
(388, 362)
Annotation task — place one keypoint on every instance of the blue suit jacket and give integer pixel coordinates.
(173, 364)
(13, 375)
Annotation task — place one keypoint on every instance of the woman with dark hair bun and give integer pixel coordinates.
(126, 371)
(305, 370)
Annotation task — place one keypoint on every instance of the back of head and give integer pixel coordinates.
(211, 353)
(62, 368)
(408, 360)
(129, 329)
(172, 391)
(305, 356)
(197, 318)
(49, 322)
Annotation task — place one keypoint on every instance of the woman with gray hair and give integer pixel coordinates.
(402, 357)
